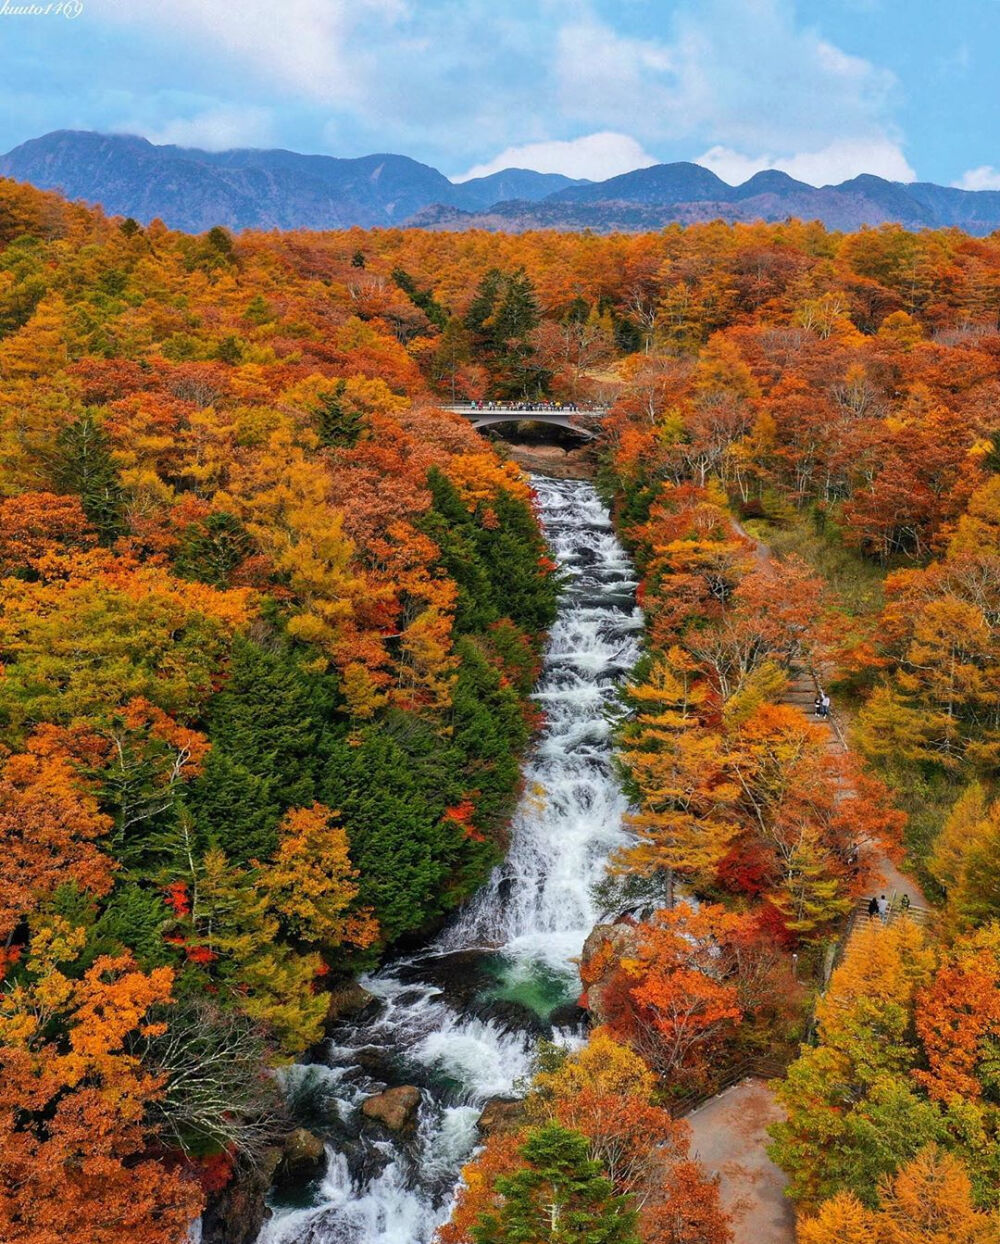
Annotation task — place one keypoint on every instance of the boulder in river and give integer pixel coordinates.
(510, 1016)
(500, 1114)
(395, 1109)
(303, 1153)
(569, 1015)
(346, 1002)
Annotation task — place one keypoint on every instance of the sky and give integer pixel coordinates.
(824, 89)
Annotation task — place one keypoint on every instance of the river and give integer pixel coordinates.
(461, 1019)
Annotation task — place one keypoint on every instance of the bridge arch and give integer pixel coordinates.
(481, 417)
(553, 420)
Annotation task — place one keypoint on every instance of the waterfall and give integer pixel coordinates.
(461, 1019)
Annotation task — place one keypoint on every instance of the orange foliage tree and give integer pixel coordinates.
(76, 1161)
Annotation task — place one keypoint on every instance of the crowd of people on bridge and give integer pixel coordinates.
(554, 408)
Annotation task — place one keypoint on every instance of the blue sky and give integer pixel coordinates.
(822, 88)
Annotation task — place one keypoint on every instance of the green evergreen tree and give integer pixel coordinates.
(83, 465)
(501, 317)
(496, 568)
(392, 791)
(270, 726)
(455, 532)
(271, 717)
(212, 549)
(338, 427)
(234, 809)
(512, 551)
(221, 241)
(578, 311)
(518, 311)
(422, 298)
(489, 731)
(134, 918)
(559, 1197)
(259, 310)
(478, 318)
(229, 350)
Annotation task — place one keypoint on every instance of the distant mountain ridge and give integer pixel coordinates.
(192, 190)
(252, 189)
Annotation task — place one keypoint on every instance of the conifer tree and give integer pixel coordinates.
(83, 465)
(559, 1196)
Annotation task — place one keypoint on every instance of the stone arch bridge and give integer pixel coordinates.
(577, 421)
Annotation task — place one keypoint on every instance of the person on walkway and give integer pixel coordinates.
(904, 903)
(824, 705)
(883, 907)
(873, 908)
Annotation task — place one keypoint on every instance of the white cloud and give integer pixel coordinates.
(596, 156)
(217, 129)
(738, 74)
(452, 81)
(834, 163)
(986, 177)
(302, 45)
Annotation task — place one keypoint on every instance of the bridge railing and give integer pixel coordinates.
(520, 408)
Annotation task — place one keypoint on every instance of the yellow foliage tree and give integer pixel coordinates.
(311, 885)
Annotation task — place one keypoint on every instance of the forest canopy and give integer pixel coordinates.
(269, 622)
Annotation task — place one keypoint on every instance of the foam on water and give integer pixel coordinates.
(533, 914)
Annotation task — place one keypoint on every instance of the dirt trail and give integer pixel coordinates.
(801, 693)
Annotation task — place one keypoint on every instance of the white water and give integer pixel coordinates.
(528, 924)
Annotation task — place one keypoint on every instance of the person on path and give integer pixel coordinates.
(883, 907)
(873, 908)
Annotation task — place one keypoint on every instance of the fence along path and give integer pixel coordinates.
(801, 691)
(729, 1130)
(903, 894)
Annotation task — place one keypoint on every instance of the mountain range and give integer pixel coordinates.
(193, 190)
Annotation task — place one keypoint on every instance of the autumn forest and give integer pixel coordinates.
(271, 619)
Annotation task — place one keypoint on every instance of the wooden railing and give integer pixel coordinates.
(761, 1067)
(858, 915)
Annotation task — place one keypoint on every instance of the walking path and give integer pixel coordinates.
(887, 877)
(801, 693)
(729, 1132)
(729, 1137)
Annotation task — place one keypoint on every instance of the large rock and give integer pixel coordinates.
(500, 1114)
(347, 1001)
(395, 1109)
(602, 952)
(302, 1151)
(236, 1214)
(555, 461)
(570, 1015)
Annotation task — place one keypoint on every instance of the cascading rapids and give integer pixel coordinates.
(462, 1019)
